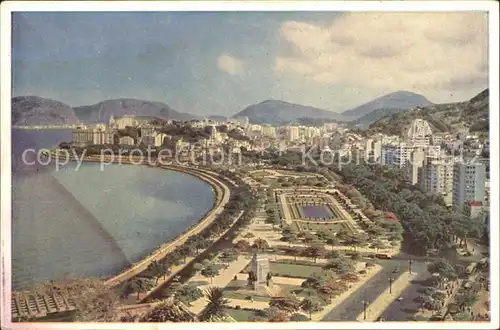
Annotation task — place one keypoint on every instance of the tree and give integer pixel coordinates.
(137, 285)
(216, 307)
(288, 304)
(242, 245)
(332, 241)
(229, 255)
(260, 244)
(442, 267)
(314, 252)
(466, 299)
(200, 243)
(355, 256)
(210, 271)
(295, 251)
(167, 312)
(350, 277)
(274, 314)
(311, 305)
(335, 254)
(340, 265)
(158, 270)
(309, 238)
(333, 287)
(378, 244)
(189, 293)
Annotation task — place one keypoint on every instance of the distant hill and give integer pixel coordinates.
(396, 100)
(101, 112)
(35, 110)
(279, 112)
(372, 117)
(452, 117)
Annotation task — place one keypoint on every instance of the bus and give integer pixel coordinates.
(471, 268)
(383, 256)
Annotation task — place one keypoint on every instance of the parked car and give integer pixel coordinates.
(400, 298)
(396, 270)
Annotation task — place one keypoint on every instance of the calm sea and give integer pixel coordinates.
(88, 222)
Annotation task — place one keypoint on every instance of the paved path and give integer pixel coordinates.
(383, 301)
(248, 304)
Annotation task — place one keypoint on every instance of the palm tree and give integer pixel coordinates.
(216, 307)
(167, 312)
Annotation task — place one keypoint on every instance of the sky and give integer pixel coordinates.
(220, 62)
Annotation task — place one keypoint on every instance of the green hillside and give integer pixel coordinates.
(451, 117)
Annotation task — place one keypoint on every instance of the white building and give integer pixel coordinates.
(415, 165)
(368, 148)
(377, 150)
(437, 176)
(125, 121)
(127, 141)
(102, 135)
(293, 133)
(269, 131)
(159, 139)
(420, 130)
(82, 135)
(397, 154)
(468, 184)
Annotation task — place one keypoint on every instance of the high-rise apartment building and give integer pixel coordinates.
(293, 133)
(437, 176)
(415, 165)
(468, 183)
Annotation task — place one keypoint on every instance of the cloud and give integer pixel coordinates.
(231, 65)
(424, 52)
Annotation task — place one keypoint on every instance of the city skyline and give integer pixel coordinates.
(219, 63)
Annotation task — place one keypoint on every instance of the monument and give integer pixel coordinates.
(260, 276)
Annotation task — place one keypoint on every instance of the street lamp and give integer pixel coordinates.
(409, 265)
(365, 303)
(390, 285)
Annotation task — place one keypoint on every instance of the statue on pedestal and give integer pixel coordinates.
(259, 276)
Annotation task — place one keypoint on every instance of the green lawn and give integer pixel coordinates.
(331, 226)
(240, 315)
(278, 269)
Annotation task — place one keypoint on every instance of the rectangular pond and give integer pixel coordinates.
(315, 211)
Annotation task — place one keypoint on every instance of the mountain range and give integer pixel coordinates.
(279, 112)
(32, 110)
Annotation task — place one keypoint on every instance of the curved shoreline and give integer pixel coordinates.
(221, 192)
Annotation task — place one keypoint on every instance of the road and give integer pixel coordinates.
(397, 310)
(352, 307)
